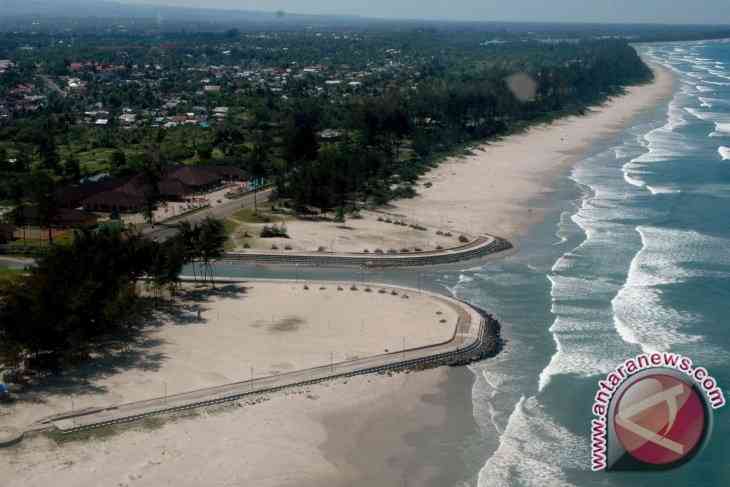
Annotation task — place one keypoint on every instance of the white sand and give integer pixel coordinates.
(272, 327)
(271, 444)
(491, 191)
(354, 235)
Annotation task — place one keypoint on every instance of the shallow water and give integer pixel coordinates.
(635, 257)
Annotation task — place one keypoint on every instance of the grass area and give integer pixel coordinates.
(248, 215)
(8, 276)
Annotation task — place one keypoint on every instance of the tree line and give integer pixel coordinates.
(78, 295)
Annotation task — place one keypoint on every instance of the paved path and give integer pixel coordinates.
(469, 336)
(166, 230)
(479, 247)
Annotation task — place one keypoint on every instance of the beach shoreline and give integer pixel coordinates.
(547, 158)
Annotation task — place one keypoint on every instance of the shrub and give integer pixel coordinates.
(404, 251)
(392, 251)
(379, 251)
(306, 288)
(274, 231)
(367, 251)
(418, 249)
(368, 290)
(448, 234)
(247, 245)
(439, 247)
(353, 288)
(380, 219)
(428, 184)
(382, 291)
(439, 232)
(321, 249)
(394, 292)
(287, 247)
(274, 247)
(463, 239)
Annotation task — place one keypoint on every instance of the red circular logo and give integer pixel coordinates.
(660, 419)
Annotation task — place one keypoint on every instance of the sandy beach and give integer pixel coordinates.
(490, 191)
(362, 432)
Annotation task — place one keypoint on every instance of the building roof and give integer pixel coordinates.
(193, 176)
(63, 217)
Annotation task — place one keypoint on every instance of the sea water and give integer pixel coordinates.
(635, 257)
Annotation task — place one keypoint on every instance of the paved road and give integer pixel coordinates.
(468, 333)
(164, 231)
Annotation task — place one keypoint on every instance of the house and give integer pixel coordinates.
(128, 118)
(62, 218)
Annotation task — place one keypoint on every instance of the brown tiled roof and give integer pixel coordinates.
(63, 217)
(173, 188)
(228, 172)
(128, 196)
(193, 176)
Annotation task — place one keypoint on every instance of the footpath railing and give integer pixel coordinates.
(481, 348)
(479, 248)
(476, 336)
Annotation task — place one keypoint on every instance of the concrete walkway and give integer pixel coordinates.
(481, 246)
(474, 336)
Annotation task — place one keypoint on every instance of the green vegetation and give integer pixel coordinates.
(334, 122)
(248, 215)
(78, 296)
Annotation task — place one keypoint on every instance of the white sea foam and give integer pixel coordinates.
(522, 459)
(704, 89)
(724, 153)
(698, 114)
(630, 177)
(721, 130)
(663, 260)
(663, 189)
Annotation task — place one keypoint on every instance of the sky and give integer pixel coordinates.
(663, 11)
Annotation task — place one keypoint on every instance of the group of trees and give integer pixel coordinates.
(87, 291)
(387, 141)
(441, 89)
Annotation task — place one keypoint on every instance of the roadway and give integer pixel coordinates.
(163, 231)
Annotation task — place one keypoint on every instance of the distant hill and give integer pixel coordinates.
(111, 9)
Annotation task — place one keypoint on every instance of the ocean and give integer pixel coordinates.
(634, 256)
